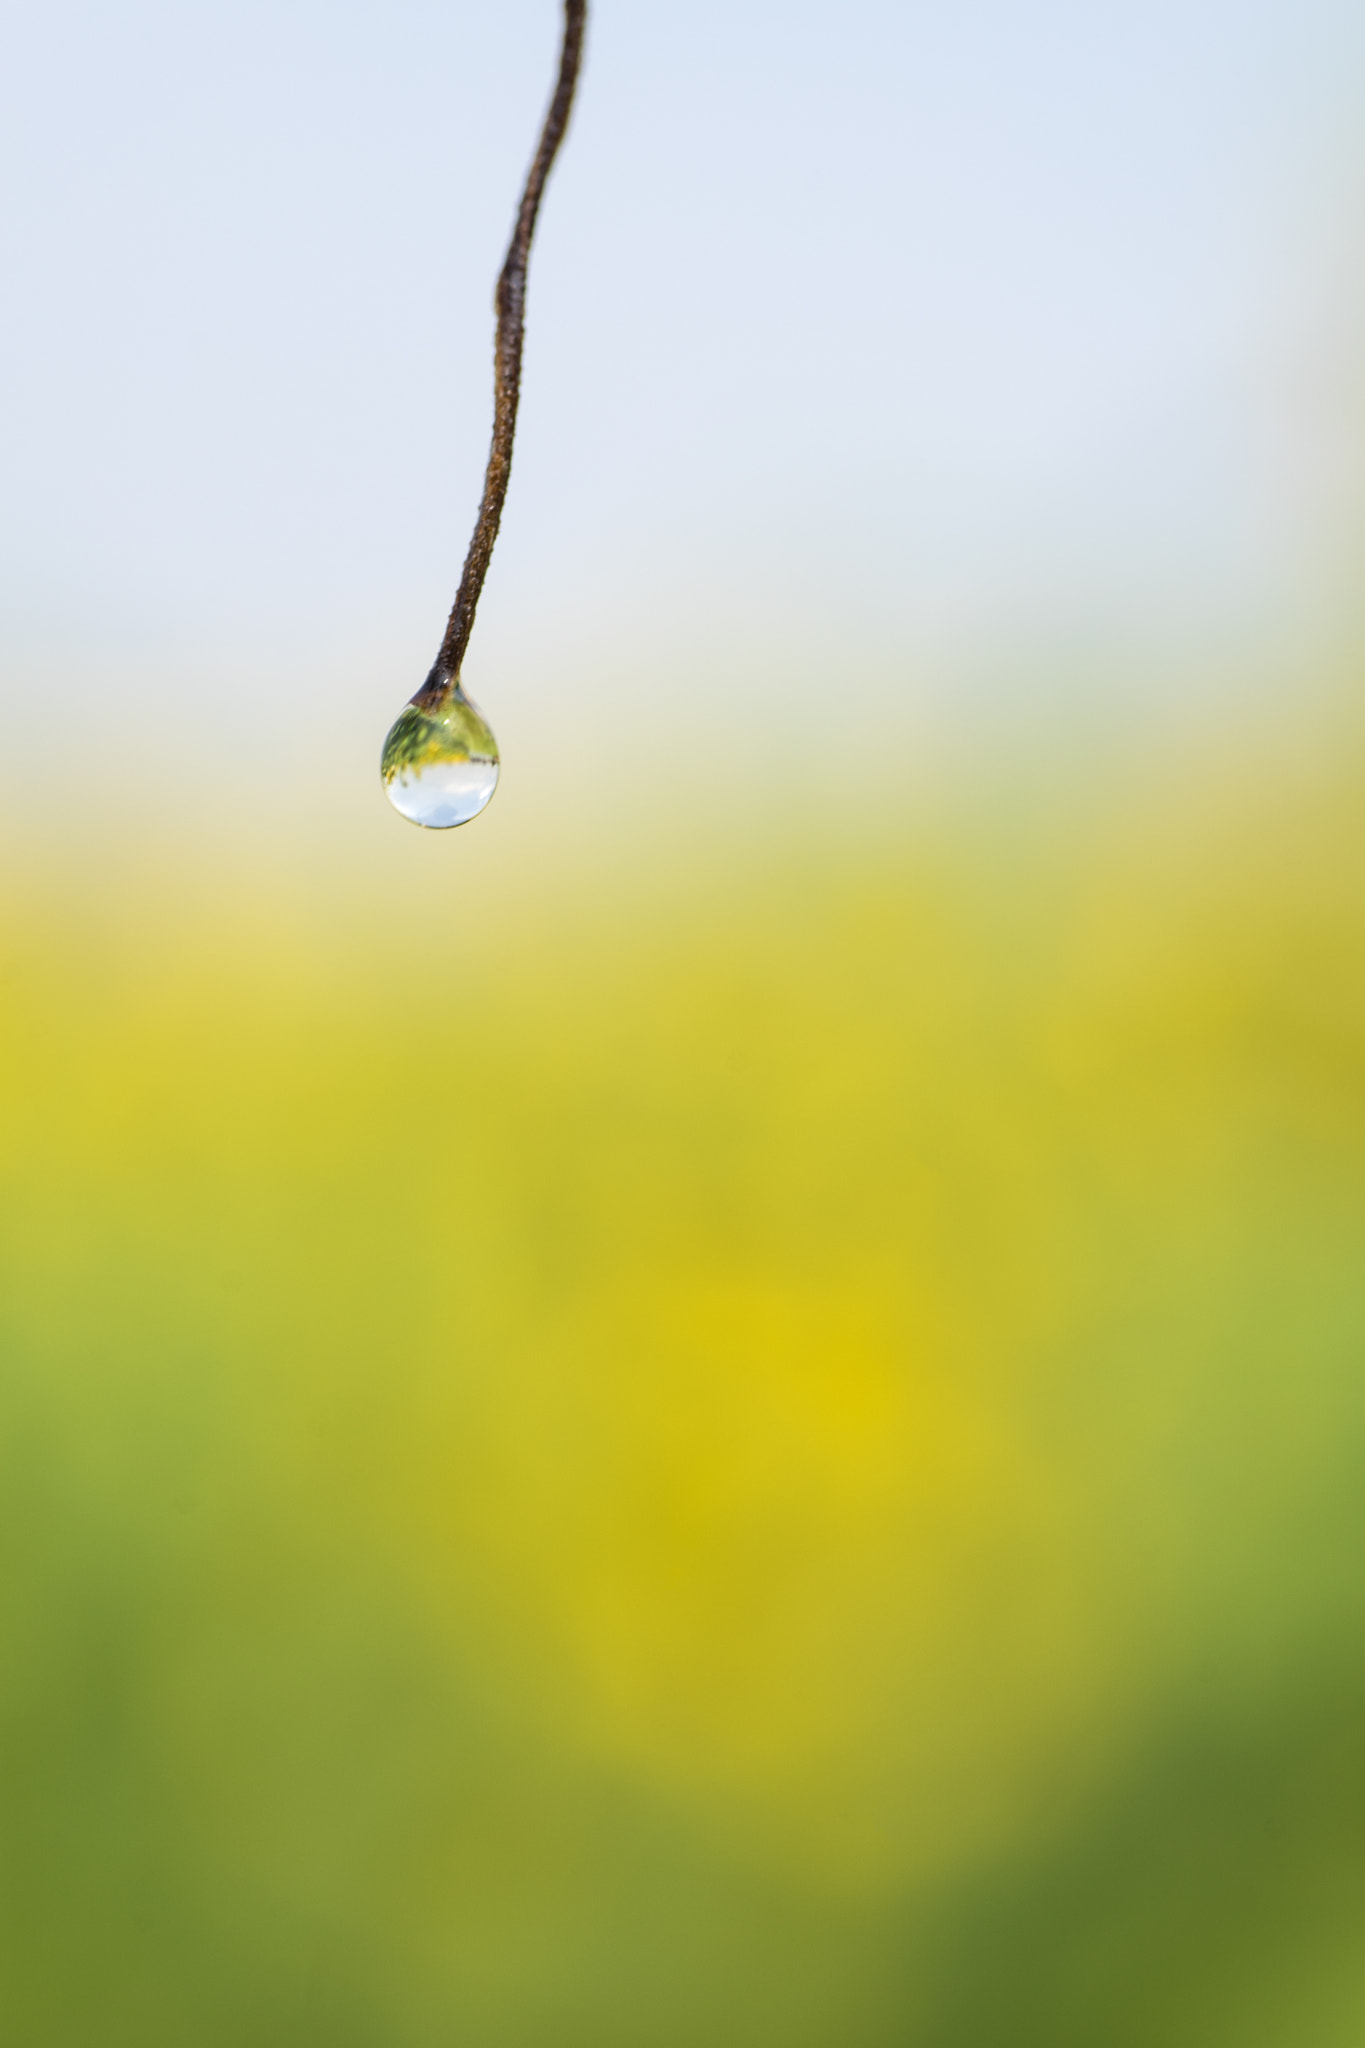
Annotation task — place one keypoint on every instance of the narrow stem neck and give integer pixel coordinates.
(438, 689)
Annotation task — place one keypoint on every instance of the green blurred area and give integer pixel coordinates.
(782, 1463)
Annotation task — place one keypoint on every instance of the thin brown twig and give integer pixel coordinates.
(510, 302)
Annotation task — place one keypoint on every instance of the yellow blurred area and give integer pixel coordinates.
(773, 1459)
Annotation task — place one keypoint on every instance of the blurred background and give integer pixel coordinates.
(730, 1407)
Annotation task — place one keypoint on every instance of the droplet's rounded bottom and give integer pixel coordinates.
(444, 793)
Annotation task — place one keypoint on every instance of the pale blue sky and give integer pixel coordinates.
(866, 344)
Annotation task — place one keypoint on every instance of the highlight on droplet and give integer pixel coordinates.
(440, 761)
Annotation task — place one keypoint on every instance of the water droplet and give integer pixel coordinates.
(440, 760)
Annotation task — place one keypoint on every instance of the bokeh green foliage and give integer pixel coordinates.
(781, 1463)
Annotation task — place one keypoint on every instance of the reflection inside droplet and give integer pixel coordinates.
(440, 760)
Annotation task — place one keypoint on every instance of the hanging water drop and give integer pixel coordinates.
(440, 760)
